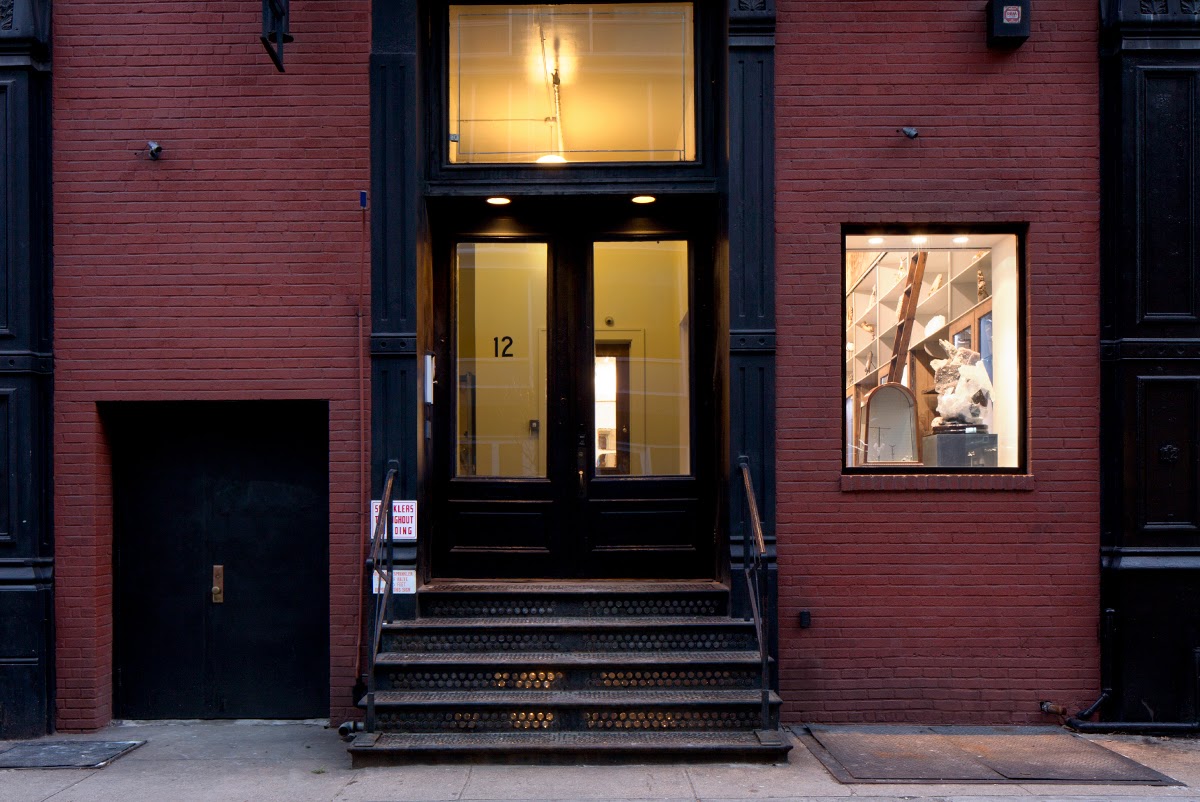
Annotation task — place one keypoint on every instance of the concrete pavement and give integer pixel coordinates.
(305, 762)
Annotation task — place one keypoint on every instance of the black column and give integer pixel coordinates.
(26, 548)
(397, 230)
(1150, 410)
(752, 274)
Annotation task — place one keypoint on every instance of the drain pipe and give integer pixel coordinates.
(348, 728)
(1077, 723)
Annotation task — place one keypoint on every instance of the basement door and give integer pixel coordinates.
(221, 598)
(567, 414)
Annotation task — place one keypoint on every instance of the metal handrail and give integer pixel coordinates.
(754, 566)
(382, 540)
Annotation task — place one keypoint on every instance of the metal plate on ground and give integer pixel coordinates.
(888, 754)
(64, 754)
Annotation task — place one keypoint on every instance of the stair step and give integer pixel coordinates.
(570, 698)
(575, 634)
(572, 622)
(556, 599)
(665, 657)
(506, 673)
(550, 747)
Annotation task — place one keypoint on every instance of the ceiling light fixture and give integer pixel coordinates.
(919, 240)
(643, 199)
(961, 240)
(875, 241)
(497, 201)
(551, 158)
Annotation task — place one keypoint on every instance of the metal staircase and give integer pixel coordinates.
(537, 672)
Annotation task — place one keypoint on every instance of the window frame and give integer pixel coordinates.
(707, 31)
(1018, 230)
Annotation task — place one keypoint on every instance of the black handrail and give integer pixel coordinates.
(381, 549)
(754, 566)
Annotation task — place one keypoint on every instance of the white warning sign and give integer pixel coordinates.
(404, 520)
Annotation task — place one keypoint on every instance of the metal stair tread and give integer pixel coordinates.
(572, 698)
(566, 622)
(571, 658)
(534, 747)
(560, 587)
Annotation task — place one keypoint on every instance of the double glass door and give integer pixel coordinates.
(567, 426)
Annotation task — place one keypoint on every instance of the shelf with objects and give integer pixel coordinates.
(939, 316)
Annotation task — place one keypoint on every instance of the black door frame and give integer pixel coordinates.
(565, 505)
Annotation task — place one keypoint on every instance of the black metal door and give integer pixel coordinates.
(221, 559)
(571, 441)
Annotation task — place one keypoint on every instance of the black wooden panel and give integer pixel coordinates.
(26, 606)
(395, 205)
(499, 527)
(1168, 146)
(394, 401)
(1167, 457)
(1157, 635)
(24, 462)
(752, 188)
(624, 527)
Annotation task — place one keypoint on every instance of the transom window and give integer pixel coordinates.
(588, 83)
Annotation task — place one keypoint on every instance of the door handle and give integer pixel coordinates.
(218, 584)
(581, 464)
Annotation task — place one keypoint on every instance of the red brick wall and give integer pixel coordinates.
(231, 269)
(975, 602)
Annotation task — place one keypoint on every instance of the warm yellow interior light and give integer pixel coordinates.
(643, 199)
(919, 240)
(499, 201)
(551, 158)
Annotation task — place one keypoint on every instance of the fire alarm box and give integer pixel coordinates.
(1007, 22)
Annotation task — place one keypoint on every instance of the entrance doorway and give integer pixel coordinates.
(221, 559)
(571, 438)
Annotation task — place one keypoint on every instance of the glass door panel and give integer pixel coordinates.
(500, 364)
(642, 402)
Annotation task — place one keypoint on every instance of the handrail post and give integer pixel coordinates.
(754, 565)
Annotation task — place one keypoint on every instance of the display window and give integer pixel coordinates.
(576, 83)
(934, 370)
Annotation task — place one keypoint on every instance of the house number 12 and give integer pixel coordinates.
(503, 346)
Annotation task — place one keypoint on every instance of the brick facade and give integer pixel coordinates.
(233, 268)
(973, 603)
(236, 268)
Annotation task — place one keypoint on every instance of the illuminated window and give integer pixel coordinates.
(933, 371)
(571, 83)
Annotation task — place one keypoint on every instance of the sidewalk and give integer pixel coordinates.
(303, 762)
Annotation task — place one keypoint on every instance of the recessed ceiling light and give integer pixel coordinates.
(875, 241)
(499, 201)
(643, 199)
(551, 158)
(919, 240)
(961, 240)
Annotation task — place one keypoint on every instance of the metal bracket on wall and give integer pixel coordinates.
(276, 20)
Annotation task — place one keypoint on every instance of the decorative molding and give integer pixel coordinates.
(404, 344)
(1153, 6)
(752, 341)
(6, 15)
(1168, 454)
(1151, 349)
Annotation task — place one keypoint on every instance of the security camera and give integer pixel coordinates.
(910, 132)
(154, 150)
